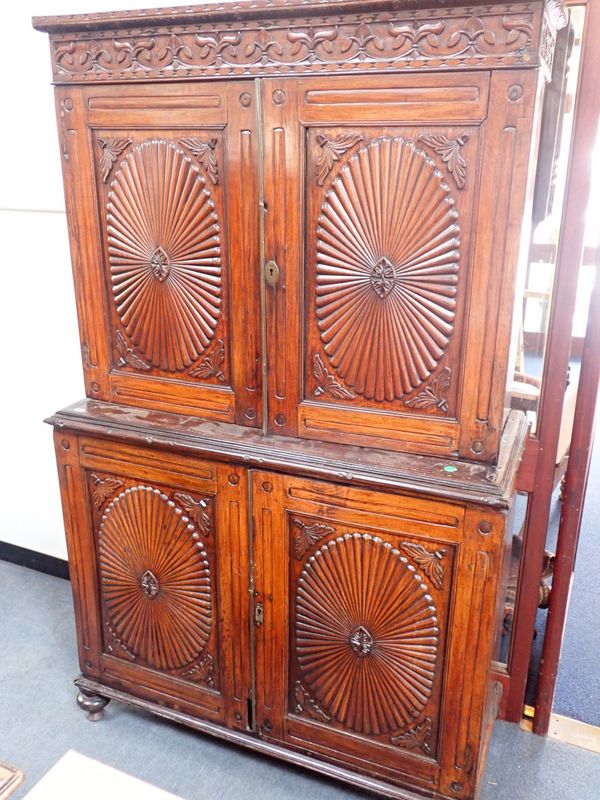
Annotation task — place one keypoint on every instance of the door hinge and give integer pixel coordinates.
(259, 614)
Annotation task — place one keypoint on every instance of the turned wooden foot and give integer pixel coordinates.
(92, 704)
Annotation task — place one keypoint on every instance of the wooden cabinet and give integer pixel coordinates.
(384, 617)
(158, 547)
(295, 242)
(389, 323)
(164, 249)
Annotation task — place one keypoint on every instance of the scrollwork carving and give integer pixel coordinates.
(430, 562)
(327, 384)
(103, 488)
(449, 152)
(434, 395)
(201, 672)
(127, 356)
(197, 510)
(211, 364)
(459, 39)
(111, 150)
(204, 152)
(305, 703)
(417, 737)
(332, 150)
(307, 535)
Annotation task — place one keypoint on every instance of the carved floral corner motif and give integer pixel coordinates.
(417, 737)
(434, 395)
(197, 510)
(307, 535)
(111, 150)
(305, 704)
(332, 150)
(430, 562)
(327, 383)
(115, 646)
(204, 152)
(212, 363)
(103, 488)
(203, 671)
(127, 357)
(449, 151)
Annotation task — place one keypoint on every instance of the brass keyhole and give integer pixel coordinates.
(271, 273)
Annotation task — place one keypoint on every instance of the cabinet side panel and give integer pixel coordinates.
(500, 216)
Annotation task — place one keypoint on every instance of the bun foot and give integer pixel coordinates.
(92, 704)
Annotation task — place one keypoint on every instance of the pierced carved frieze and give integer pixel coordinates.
(211, 365)
(332, 150)
(103, 488)
(327, 384)
(433, 396)
(454, 38)
(386, 272)
(449, 152)
(159, 607)
(307, 535)
(417, 737)
(111, 149)
(430, 562)
(197, 510)
(366, 634)
(204, 152)
(164, 249)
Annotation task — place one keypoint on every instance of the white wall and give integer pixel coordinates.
(41, 369)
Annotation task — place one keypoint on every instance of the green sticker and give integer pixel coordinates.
(450, 468)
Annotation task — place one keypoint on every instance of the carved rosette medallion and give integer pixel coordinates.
(387, 269)
(366, 635)
(155, 577)
(165, 255)
(361, 641)
(160, 264)
(149, 584)
(383, 277)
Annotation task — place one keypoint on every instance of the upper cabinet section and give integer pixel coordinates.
(162, 198)
(303, 217)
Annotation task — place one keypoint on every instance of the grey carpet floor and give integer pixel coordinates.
(39, 722)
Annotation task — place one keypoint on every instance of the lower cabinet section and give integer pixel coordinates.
(326, 624)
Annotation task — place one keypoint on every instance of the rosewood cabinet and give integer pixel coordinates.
(338, 608)
(295, 232)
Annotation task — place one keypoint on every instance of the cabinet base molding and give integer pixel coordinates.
(252, 742)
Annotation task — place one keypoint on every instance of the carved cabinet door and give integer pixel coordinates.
(374, 628)
(162, 204)
(391, 209)
(159, 569)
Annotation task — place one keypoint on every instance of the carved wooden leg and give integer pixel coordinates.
(92, 704)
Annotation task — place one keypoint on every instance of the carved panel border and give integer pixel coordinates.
(455, 38)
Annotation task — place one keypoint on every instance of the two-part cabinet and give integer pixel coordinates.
(295, 237)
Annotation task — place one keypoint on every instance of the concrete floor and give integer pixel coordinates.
(39, 722)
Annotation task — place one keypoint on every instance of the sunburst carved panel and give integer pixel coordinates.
(165, 254)
(387, 269)
(156, 582)
(366, 634)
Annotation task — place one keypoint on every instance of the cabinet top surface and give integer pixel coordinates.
(464, 481)
(235, 10)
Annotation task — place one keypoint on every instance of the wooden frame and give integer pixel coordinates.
(537, 472)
